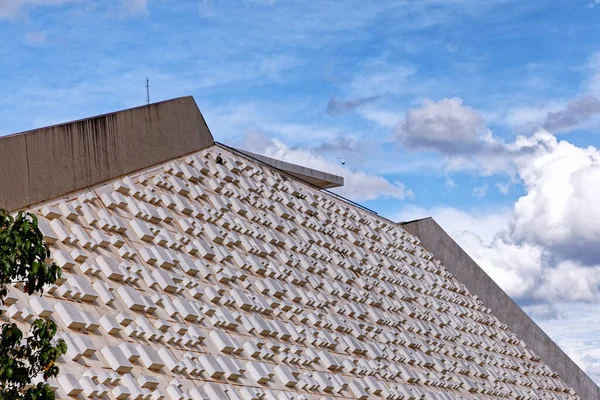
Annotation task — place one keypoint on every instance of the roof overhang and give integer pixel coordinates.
(315, 177)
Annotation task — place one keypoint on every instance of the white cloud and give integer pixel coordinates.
(295, 131)
(459, 134)
(358, 185)
(560, 209)
(274, 66)
(133, 8)
(483, 223)
(383, 118)
(265, 2)
(379, 77)
(480, 191)
(574, 327)
(527, 117)
(547, 248)
(337, 106)
(446, 126)
(543, 312)
(515, 268)
(504, 188)
(10, 8)
(576, 112)
(570, 281)
(523, 270)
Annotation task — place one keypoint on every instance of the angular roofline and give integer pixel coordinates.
(59, 124)
(46, 163)
(321, 179)
(503, 307)
(299, 177)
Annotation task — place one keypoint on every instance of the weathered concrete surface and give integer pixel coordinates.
(49, 162)
(458, 262)
(320, 179)
(14, 181)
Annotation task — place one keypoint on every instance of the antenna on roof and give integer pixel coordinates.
(147, 91)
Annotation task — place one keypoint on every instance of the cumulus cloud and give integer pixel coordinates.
(548, 248)
(527, 272)
(543, 312)
(459, 133)
(335, 106)
(515, 268)
(358, 185)
(570, 281)
(553, 229)
(556, 116)
(561, 180)
(577, 111)
(559, 210)
(446, 125)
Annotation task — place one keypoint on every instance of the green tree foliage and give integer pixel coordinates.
(26, 362)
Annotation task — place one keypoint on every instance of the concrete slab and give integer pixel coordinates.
(14, 181)
(49, 162)
(315, 177)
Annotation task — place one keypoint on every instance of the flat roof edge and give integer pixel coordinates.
(462, 266)
(46, 163)
(321, 179)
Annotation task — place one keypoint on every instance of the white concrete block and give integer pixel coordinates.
(70, 384)
(116, 360)
(41, 306)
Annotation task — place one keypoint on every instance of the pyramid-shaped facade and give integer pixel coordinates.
(213, 275)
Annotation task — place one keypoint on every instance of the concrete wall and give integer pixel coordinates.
(49, 162)
(458, 262)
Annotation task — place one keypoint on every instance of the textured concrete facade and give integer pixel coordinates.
(458, 262)
(209, 275)
(206, 280)
(47, 163)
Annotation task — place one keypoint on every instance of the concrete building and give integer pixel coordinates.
(197, 271)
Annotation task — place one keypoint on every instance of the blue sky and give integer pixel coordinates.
(483, 114)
